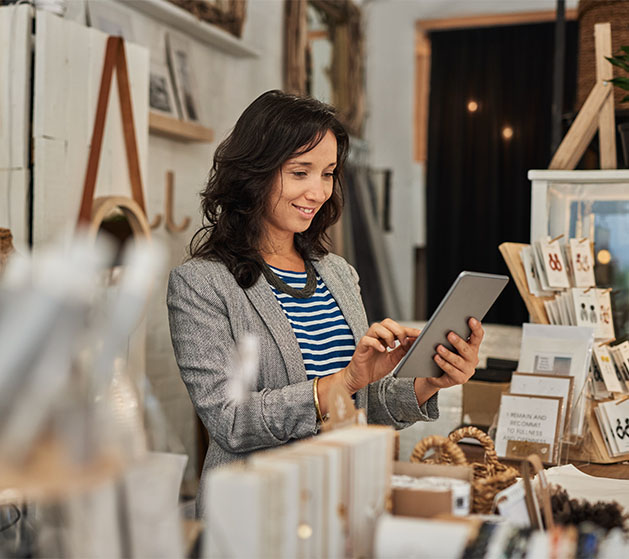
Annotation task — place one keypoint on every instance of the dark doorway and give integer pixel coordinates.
(489, 123)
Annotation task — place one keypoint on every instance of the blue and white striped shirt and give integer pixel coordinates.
(325, 339)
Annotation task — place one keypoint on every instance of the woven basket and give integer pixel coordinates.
(6, 246)
(615, 12)
(490, 476)
(446, 452)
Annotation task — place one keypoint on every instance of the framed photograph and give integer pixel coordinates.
(161, 93)
(107, 17)
(179, 60)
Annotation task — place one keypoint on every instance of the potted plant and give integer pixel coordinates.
(621, 60)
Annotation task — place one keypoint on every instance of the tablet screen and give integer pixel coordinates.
(472, 294)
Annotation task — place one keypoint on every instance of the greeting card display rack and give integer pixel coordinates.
(597, 113)
(591, 446)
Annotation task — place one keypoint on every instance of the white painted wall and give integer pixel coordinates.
(226, 85)
(390, 43)
(15, 61)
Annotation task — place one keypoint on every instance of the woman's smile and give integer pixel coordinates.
(305, 211)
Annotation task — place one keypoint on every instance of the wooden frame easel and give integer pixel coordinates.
(597, 113)
(89, 215)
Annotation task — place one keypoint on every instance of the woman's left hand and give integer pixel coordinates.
(458, 367)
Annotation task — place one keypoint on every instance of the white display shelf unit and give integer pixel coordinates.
(178, 18)
(593, 204)
(554, 219)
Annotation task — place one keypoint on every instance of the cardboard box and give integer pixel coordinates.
(481, 401)
(426, 504)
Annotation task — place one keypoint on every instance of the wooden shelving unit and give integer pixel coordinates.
(175, 129)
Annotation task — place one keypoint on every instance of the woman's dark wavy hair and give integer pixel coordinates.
(274, 128)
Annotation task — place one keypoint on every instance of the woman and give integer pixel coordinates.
(259, 265)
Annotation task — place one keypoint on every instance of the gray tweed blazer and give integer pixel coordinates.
(209, 312)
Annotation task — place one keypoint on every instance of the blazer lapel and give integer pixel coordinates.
(269, 309)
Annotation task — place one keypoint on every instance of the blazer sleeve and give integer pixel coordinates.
(392, 401)
(204, 349)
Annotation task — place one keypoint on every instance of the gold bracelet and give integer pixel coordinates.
(315, 394)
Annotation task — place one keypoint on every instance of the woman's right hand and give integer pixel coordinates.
(376, 353)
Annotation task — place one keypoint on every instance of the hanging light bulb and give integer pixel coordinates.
(604, 257)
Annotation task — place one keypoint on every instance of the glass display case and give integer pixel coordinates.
(592, 204)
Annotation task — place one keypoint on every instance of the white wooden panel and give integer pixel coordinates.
(14, 205)
(15, 69)
(68, 67)
(55, 204)
(51, 88)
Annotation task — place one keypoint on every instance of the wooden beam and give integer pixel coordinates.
(492, 20)
(582, 130)
(318, 34)
(606, 119)
(422, 94)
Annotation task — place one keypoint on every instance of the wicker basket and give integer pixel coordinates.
(490, 476)
(446, 452)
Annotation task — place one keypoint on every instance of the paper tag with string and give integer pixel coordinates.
(342, 410)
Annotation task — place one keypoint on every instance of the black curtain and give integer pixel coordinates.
(364, 253)
(478, 194)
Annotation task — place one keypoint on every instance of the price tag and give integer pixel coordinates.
(599, 390)
(605, 329)
(530, 269)
(618, 416)
(512, 505)
(623, 357)
(554, 264)
(582, 262)
(611, 377)
(585, 304)
(619, 361)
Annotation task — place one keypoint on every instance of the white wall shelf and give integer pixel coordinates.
(180, 19)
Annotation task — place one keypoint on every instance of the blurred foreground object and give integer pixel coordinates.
(73, 445)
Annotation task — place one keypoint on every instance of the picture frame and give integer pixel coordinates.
(179, 56)
(560, 350)
(529, 425)
(538, 384)
(162, 98)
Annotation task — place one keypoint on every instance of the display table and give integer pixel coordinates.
(474, 453)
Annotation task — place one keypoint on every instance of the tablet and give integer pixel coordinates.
(472, 294)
